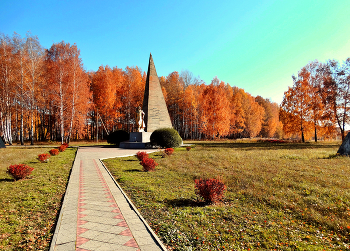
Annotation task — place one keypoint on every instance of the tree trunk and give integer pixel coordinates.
(31, 127)
(96, 125)
(21, 137)
(302, 132)
(315, 134)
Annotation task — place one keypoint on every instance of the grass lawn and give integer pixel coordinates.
(282, 196)
(29, 207)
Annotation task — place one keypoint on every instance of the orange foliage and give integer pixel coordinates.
(215, 112)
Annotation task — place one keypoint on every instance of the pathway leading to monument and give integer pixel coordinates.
(96, 214)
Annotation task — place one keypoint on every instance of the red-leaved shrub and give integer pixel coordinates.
(148, 164)
(54, 152)
(141, 155)
(62, 148)
(188, 148)
(211, 190)
(169, 151)
(43, 157)
(19, 171)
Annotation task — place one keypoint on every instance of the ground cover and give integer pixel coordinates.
(29, 207)
(282, 196)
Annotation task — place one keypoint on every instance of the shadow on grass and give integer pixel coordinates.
(335, 156)
(7, 180)
(268, 146)
(133, 170)
(184, 203)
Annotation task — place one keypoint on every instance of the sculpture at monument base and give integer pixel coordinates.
(344, 149)
(140, 115)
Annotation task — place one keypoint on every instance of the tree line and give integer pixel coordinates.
(46, 94)
(318, 103)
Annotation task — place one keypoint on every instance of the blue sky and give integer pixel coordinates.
(254, 44)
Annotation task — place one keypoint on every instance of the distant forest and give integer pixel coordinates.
(47, 95)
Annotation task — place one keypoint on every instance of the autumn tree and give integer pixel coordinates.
(7, 79)
(237, 114)
(253, 115)
(21, 78)
(131, 94)
(34, 67)
(190, 108)
(174, 88)
(271, 123)
(296, 105)
(66, 81)
(319, 114)
(104, 93)
(337, 89)
(214, 112)
(79, 92)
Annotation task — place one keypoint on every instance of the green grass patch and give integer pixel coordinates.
(29, 207)
(288, 196)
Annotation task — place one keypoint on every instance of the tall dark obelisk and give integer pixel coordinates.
(154, 106)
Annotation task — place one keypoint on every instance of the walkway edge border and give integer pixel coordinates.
(161, 245)
(59, 220)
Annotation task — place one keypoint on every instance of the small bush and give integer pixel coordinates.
(19, 171)
(148, 164)
(117, 136)
(54, 152)
(211, 190)
(141, 155)
(169, 151)
(188, 148)
(166, 137)
(62, 148)
(43, 157)
(66, 145)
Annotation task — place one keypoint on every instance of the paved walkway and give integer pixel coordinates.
(96, 214)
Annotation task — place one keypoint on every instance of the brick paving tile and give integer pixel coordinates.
(104, 218)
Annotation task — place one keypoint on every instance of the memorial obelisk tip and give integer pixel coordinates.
(154, 106)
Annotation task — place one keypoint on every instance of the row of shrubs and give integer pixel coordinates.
(163, 137)
(20, 171)
(45, 156)
(210, 190)
(148, 163)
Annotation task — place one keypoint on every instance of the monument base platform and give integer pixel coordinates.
(138, 140)
(134, 145)
(140, 137)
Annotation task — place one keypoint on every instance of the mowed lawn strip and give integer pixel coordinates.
(284, 196)
(29, 207)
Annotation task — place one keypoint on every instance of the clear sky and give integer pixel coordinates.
(254, 44)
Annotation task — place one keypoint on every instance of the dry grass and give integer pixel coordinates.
(29, 207)
(279, 196)
(16, 155)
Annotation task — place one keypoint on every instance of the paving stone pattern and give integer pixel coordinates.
(95, 214)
